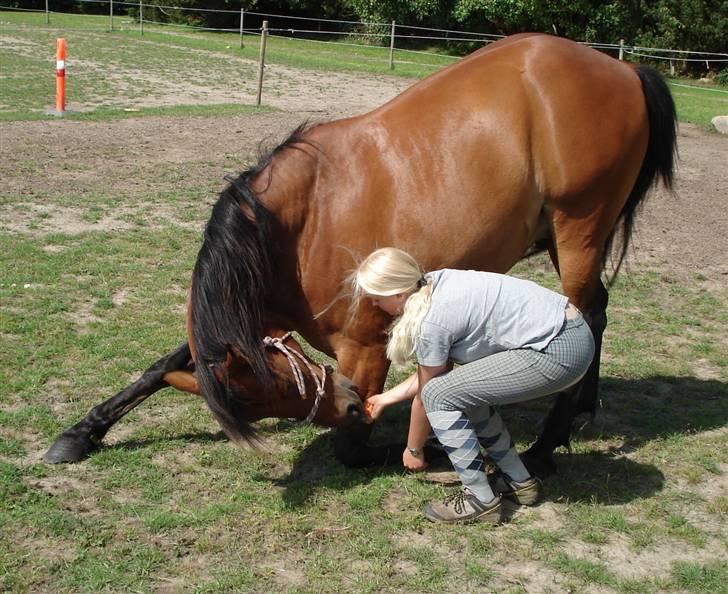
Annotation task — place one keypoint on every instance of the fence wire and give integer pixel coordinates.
(459, 36)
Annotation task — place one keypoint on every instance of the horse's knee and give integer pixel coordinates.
(350, 445)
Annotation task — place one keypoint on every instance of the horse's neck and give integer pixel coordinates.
(309, 272)
(285, 186)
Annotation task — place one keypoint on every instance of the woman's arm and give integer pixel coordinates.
(405, 390)
(419, 429)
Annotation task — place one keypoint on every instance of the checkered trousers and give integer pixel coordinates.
(459, 404)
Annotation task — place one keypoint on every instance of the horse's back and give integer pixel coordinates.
(560, 113)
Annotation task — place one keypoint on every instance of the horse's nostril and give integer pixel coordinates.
(354, 410)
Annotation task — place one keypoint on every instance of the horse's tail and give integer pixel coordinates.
(229, 285)
(659, 161)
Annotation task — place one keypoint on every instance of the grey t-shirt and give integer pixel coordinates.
(475, 314)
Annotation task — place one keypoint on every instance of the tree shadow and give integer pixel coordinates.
(634, 412)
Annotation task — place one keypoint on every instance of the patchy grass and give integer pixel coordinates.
(170, 503)
(218, 109)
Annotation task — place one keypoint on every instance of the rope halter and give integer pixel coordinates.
(293, 356)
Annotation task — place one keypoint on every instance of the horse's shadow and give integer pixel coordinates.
(133, 444)
(634, 412)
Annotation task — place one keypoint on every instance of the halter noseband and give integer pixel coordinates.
(291, 355)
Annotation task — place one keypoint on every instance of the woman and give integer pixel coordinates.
(513, 340)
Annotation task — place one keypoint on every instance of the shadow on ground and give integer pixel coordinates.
(634, 412)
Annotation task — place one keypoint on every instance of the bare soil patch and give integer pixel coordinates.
(685, 232)
(682, 233)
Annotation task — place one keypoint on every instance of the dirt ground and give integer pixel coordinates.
(684, 232)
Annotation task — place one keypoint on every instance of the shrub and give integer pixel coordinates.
(722, 78)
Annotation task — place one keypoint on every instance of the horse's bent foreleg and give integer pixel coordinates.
(76, 443)
(351, 449)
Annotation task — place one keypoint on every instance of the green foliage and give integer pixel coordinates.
(722, 78)
(685, 24)
(688, 24)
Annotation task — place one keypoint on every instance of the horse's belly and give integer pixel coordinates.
(480, 234)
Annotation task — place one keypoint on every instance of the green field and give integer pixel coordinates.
(98, 238)
(104, 65)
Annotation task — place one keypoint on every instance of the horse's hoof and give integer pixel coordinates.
(69, 449)
(539, 464)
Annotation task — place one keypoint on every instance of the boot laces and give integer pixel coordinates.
(457, 500)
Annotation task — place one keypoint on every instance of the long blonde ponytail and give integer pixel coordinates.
(406, 329)
(389, 271)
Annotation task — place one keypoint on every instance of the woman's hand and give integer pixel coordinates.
(406, 390)
(414, 463)
(376, 404)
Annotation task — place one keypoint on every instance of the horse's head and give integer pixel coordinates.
(300, 388)
(230, 307)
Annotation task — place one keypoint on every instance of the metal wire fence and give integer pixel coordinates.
(388, 37)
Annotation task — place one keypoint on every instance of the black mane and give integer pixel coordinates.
(230, 285)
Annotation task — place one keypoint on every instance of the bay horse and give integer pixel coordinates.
(532, 143)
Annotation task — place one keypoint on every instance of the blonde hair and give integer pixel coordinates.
(390, 271)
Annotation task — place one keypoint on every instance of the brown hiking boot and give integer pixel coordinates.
(527, 492)
(463, 507)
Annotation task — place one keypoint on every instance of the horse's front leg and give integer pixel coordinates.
(77, 442)
(367, 367)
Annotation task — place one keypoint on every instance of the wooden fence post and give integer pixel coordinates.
(141, 18)
(621, 49)
(261, 61)
(242, 20)
(48, 15)
(111, 15)
(391, 47)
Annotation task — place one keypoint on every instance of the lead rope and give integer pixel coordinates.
(277, 343)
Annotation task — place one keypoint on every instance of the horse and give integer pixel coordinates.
(532, 143)
(296, 388)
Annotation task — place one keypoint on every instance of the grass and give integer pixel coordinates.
(172, 502)
(104, 113)
(698, 105)
(104, 66)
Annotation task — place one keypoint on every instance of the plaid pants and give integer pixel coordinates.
(459, 404)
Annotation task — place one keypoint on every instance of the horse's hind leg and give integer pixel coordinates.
(581, 283)
(76, 443)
